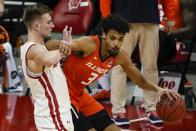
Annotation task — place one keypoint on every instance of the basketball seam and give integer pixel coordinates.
(174, 110)
(158, 111)
(163, 116)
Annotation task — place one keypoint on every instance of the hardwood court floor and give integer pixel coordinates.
(16, 114)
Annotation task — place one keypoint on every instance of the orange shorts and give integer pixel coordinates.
(86, 104)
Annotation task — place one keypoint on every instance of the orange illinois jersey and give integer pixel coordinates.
(82, 71)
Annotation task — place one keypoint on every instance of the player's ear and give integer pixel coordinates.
(35, 25)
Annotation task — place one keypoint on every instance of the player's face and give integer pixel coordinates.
(113, 42)
(45, 25)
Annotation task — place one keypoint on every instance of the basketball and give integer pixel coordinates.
(170, 110)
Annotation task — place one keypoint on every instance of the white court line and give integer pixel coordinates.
(138, 119)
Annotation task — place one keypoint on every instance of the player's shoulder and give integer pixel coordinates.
(86, 39)
(35, 49)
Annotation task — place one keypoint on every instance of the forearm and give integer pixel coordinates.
(50, 58)
(148, 85)
(52, 44)
(135, 75)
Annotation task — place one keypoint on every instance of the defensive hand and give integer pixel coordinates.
(67, 35)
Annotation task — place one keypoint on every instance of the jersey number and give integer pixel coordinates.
(90, 79)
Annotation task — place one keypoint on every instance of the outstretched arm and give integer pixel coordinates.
(83, 44)
(134, 74)
(65, 44)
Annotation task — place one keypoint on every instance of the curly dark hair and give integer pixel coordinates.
(112, 22)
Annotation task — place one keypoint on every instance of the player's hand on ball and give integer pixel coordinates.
(170, 93)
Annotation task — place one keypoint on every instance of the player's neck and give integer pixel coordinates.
(104, 53)
(35, 37)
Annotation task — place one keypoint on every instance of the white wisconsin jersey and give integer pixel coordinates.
(49, 88)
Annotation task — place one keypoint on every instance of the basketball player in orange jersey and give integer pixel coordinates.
(42, 71)
(91, 58)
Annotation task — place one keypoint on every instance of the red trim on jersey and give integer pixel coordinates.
(27, 65)
(50, 99)
(50, 103)
(54, 100)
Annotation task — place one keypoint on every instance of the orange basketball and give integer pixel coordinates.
(170, 110)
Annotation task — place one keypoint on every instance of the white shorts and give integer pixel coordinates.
(46, 123)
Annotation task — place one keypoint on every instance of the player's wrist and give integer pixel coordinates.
(161, 90)
(61, 55)
(65, 42)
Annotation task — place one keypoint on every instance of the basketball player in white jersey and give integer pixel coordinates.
(43, 73)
